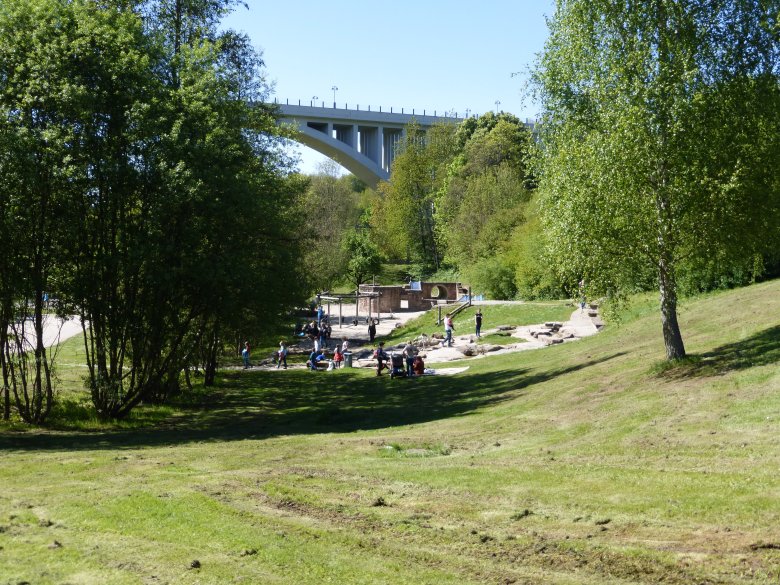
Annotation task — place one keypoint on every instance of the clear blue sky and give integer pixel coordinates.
(443, 55)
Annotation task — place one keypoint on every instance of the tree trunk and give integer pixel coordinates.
(671, 329)
(210, 367)
(6, 314)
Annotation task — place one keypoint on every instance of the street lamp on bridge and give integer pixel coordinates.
(498, 103)
(314, 99)
(335, 89)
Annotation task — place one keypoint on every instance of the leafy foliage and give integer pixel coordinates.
(647, 170)
(158, 208)
(363, 257)
(331, 208)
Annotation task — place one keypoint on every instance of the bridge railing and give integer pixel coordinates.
(449, 114)
(414, 111)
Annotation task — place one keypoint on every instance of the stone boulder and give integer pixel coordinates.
(469, 350)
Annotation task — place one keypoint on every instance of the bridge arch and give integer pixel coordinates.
(362, 141)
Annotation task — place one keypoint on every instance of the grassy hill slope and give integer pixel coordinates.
(589, 462)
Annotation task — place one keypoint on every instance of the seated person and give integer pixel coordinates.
(418, 366)
(318, 360)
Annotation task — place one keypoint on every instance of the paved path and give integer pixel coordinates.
(55, 330)
(359, 333)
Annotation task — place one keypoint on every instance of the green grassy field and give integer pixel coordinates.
(585, 463)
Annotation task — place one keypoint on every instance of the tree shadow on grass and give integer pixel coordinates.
(263, 404)
(761, 349)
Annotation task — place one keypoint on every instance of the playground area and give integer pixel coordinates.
(465, 344)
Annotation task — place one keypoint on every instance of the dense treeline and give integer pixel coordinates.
(456, 197)
(660, 146)
(140, 190)
(655, 164)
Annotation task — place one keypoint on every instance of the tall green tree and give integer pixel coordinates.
(330, 209)
(183, 224)
(363, 257)
(403, 218)
(660, 121)
(36, 177)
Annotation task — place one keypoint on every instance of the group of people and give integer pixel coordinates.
(415, 366)
(320, 334)
(318, 358)
(449, 327)
(318, 331)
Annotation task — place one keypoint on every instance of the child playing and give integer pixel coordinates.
(338, 357)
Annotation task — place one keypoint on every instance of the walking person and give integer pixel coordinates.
(371, 331)
(478, 322)
(282, 355)
(323, 335)
(448, 329)
(245, 355)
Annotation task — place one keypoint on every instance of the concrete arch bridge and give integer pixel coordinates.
(362, 141)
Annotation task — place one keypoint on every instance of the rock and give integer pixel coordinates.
(555, 340)
(488, 348)
(468, 350)
(506, 327)
(195, 564)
